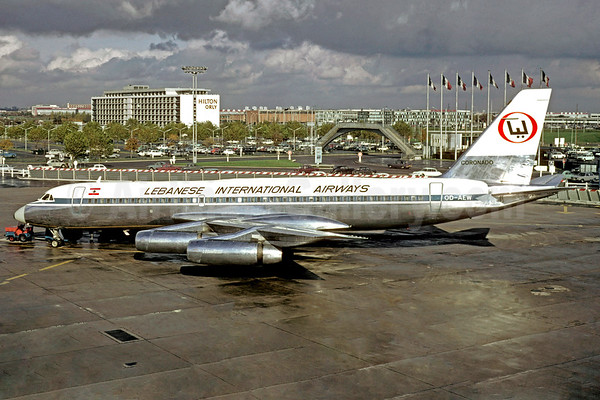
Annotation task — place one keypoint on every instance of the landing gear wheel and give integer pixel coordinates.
(55, 243)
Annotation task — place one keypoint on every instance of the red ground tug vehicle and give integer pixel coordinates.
(22, 232)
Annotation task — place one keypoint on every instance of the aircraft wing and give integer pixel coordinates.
(211, 238)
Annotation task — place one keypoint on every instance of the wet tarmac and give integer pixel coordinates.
(449, 313)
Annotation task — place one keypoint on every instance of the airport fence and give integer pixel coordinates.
(575, 196)
(79, 175)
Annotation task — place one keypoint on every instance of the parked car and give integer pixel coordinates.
(38, 152)
(98, 167)
(428, 172)
(306, 169)
(587, 156)
(156, 165)
(568, 175)
(55, 163)
(585, 177)
(55, 153)
(364, 171)
(8, 154)
(151, 153)
(228, 152)
(342, 169)
(5, 168)
(169, 167)
(400, 165)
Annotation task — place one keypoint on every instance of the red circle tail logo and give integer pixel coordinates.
(517, 127)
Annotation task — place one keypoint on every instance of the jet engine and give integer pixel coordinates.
(222, 252)
(158, 241)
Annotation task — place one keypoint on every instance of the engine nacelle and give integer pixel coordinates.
(222, 252)
(157, 241)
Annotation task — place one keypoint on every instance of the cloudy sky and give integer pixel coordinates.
(325, 54)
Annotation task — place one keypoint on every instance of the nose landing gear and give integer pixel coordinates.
(54, 237)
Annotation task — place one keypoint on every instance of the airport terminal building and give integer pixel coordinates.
(158, 106)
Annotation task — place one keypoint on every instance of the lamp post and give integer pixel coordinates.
(213, 130)
(49, 130)
(294, 137)
(223, 136)
(165, 135)
(26, 129)
(194, 70)
(130, 138)
(256, 129)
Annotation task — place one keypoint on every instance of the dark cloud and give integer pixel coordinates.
(331, 53)
(166, 46)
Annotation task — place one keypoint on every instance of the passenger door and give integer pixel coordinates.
(77, 199)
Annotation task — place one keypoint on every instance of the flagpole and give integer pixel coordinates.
(441, 113)
(505, 79)
(427, 116)
(488, 99)
(456, 118)
(472, 91)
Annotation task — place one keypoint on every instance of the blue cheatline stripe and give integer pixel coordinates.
(268, 199)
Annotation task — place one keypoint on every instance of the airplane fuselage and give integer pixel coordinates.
(362, 203)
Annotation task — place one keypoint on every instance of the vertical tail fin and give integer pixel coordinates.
(505, 152)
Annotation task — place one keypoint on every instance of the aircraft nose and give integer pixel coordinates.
(20, 215)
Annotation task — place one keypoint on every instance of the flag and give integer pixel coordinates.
(431, 85)
(461, 83)
(476, 83)
(509, 80)
(527, 80)
(446, 83)
(545, 78)
(493, 82)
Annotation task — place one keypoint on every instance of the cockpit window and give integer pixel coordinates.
(47, 197)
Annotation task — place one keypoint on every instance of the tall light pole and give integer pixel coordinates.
(50, 130)
(223, 136)
(294, 130)
(256, 129)
(130, 138)
(194, 70)
(26, 129)
(213, 130)
(165, 135)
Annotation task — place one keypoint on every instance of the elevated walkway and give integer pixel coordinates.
(384, 130)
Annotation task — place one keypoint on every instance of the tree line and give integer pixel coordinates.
(98, 141)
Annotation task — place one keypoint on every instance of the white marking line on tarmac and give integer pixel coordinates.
(7, 281)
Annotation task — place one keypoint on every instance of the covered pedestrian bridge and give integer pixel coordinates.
(384, 130)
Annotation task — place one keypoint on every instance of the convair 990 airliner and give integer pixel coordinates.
(250, 221)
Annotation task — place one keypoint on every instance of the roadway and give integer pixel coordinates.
(451, 316)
